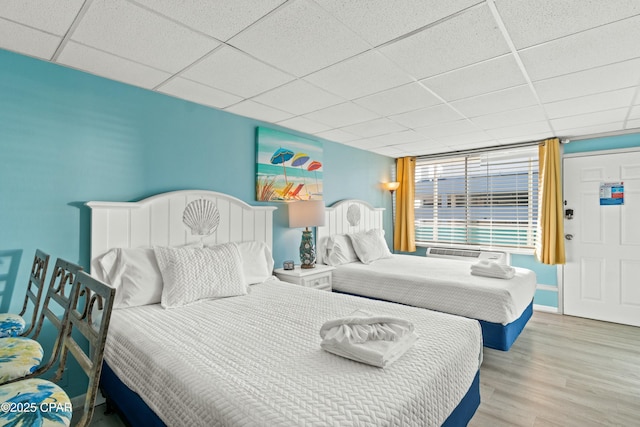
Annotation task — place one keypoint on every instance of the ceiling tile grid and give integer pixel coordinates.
(415, 77)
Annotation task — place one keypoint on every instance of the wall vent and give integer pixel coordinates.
(468, 255)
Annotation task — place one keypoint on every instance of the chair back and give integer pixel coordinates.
(59, 291)
(35, 288)
(90, 314)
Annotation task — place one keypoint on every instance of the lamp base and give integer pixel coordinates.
(307, 250)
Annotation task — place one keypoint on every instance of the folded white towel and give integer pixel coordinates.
(492, 269)
(375, 340)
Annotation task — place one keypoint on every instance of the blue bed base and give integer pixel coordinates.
(130, 406)
(501, 337)
(494, 335)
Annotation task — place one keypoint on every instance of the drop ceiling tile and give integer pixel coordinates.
(258, 111)
(592, 130)
(337, 135)
(462, 40)
(219, 19)
(129, 31)
(365, 144)
(303, 124)
(587, 82)
(110, 66)
(591, 103)
(582, 120)
(298, 97)
(235, 72)
(367, 73)
(633, 124)
(425, 148)
(427, 116)
(396, 138)
(528, 138)
(400, 99)
(419, 147)
(600, 46)
(536, 21)
(379, 21)
(471, 146)
(199, 93)
(389, 151)
(299, 38)
(521, 130)
(375, 127)
(510, 118)
(485, 77)
(495, 102)
(51, 16)
(446, 129)
(635, 112)
(27, 41)
(465, 138)
(341, 115)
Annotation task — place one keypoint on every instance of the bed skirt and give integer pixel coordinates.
(501, 337)
(130, 406)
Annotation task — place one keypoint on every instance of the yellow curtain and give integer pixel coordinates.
(550, 233)
(404, 237)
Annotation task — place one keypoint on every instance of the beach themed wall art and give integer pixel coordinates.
(288, 167)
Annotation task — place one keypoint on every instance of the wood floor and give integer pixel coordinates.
(563, 371)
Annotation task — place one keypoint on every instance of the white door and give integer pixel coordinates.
(602, 273)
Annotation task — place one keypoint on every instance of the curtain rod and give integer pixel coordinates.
(563, 140)
(484, 149)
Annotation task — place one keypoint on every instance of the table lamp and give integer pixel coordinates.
(307, 213)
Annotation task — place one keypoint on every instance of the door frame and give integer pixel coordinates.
(560, 269)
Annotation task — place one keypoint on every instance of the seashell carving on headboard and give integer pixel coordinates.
(353, 215)
(202, 217)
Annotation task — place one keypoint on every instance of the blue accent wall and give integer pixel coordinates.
(605, 143)
(67, 137)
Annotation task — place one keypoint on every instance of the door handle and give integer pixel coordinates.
(568, 236)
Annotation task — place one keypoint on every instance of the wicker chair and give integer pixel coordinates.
(89, 315)
(13, 325)
(21, 357)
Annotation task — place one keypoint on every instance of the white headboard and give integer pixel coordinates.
(347, 216)
(158, 221)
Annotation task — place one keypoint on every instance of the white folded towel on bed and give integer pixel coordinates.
(363, 337)
(492, 269)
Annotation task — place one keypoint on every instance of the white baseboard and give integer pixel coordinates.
(545, 308)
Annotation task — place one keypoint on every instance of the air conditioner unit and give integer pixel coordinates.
(468, 255)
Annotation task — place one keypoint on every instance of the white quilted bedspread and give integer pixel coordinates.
(439, 284)
(255, 360)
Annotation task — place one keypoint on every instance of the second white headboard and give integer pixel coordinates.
(347, 216)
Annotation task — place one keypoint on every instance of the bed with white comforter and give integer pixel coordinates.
(256, 360)
(439, 284)
(202, 335)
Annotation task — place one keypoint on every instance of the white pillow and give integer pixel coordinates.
(339, 250)
(257, 261)
(370, 245)
(135, 275)
(193, 274)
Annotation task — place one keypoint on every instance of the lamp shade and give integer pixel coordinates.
(391, 186)
(308, 213)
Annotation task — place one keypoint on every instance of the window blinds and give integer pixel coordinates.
(488, 199)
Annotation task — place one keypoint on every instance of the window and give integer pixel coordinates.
(488, 199)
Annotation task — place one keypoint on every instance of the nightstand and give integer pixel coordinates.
(317, 278)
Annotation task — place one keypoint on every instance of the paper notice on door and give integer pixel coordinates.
(611, 193)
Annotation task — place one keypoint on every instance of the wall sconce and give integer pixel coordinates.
(307, 213)
(391, 186)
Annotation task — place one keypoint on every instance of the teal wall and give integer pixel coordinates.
(68, 137)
